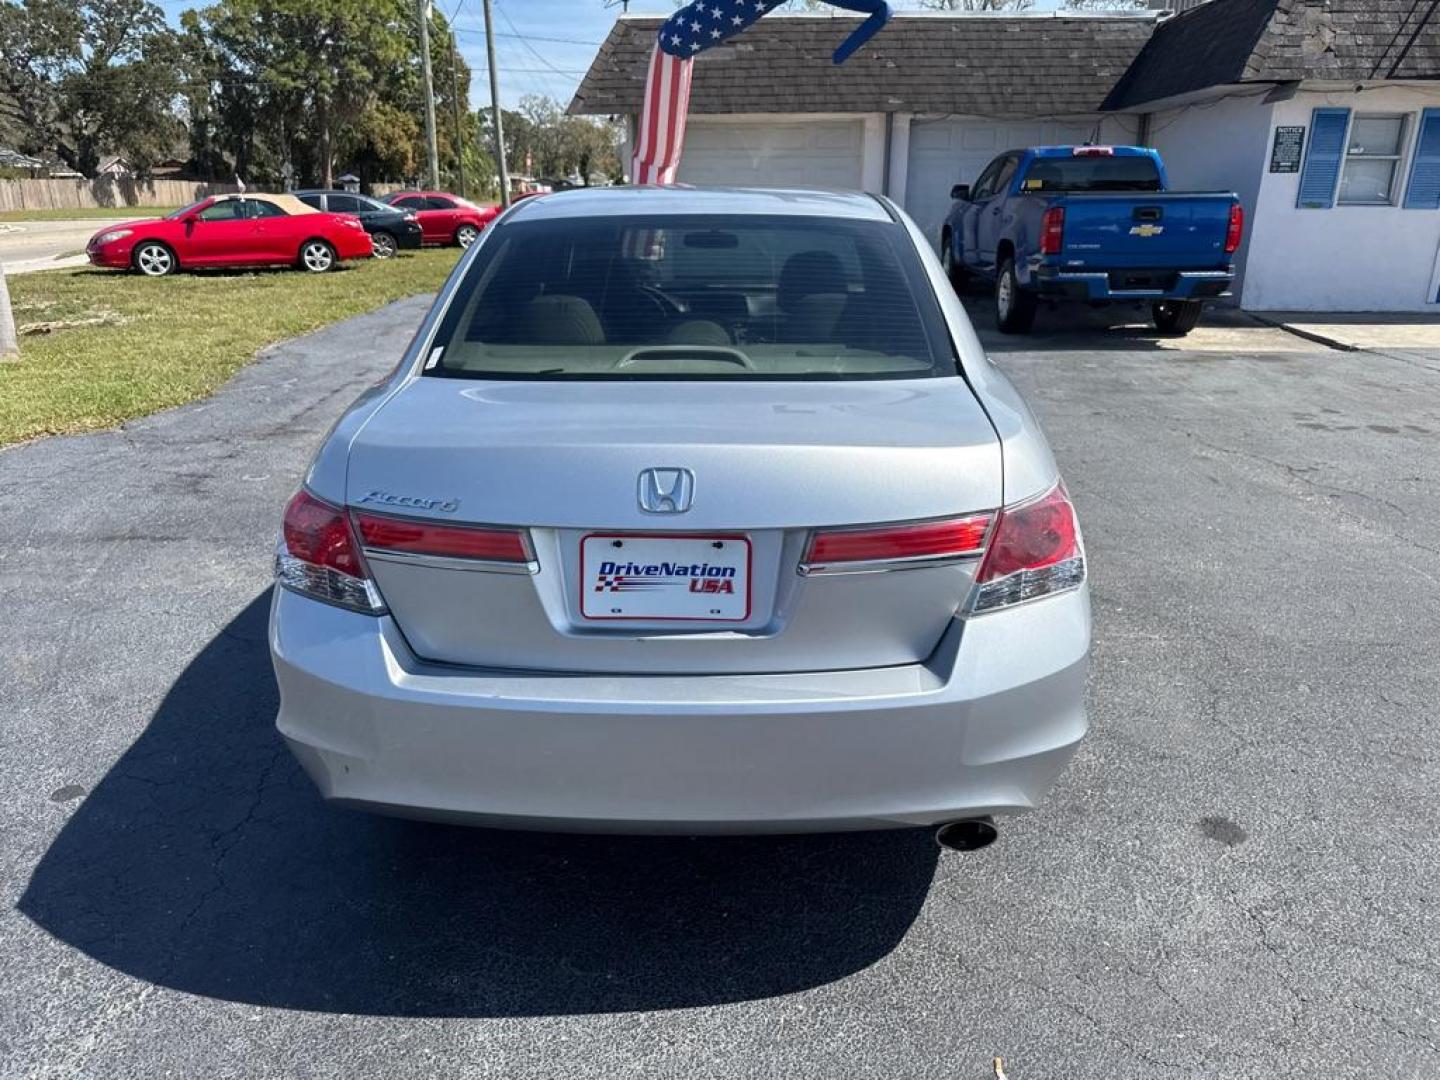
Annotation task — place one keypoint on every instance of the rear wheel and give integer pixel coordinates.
(316, 256)
(1014, 307)
(154, 259)
(383, 245)
(465, 235)
(1176, 317)
(954, 268)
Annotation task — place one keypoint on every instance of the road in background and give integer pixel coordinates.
(1236, 877)
(38, 245)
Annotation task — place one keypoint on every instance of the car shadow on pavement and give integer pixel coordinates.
(206, 862)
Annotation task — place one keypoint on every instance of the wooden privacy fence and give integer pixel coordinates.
(116, 191)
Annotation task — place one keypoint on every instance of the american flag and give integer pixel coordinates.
(691, 30)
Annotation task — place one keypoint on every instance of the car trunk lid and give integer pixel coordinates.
(768, 463)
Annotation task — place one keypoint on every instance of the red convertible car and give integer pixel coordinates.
(232, 230)
(445, 218)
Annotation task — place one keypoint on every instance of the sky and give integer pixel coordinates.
(543, 46)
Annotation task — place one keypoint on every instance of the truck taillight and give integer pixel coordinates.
(318, 556)
(1052, 231)
(1035, 551)
(1235, 228)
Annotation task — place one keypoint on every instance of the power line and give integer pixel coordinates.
(532, 37)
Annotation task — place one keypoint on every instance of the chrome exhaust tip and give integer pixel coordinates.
(968, 834)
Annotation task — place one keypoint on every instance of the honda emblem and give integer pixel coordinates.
(666, 491)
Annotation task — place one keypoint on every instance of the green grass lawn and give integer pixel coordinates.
(101, 346)
(118, 213)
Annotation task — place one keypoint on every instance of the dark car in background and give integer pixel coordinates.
(391, 228)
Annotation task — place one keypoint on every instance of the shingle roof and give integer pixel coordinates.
(982, 66)
(1235, 41)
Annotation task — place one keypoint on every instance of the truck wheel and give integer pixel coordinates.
(1177, 317)
(1014, 306)
(954, 268)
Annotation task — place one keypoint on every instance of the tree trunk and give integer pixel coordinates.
(327, 160)
(9, 342)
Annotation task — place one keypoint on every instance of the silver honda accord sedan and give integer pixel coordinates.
(686, 511)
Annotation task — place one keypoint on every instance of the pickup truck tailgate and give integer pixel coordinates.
(1150, 230)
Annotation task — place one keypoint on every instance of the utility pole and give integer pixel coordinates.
(495, 108)
(455, 109)
(423, 7)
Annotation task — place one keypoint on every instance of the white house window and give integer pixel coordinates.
(1372, 159)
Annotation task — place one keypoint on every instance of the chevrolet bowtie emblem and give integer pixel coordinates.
(1146, 230)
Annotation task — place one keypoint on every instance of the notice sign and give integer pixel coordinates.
(1285, 157)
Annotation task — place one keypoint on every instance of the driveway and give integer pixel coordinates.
(1236, 878)
(50, 245)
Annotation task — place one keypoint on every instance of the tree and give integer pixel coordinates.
(91, 76)
(541, 140)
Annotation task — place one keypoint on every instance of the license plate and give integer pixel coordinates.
(665, 578)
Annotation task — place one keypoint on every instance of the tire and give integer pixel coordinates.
(465, 235)
(383, 245)
(154, 259)
(1014, 306)
(316, 256)
(1176, 317)
(954, 269)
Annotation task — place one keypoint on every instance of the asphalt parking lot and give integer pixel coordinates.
(1236, 878)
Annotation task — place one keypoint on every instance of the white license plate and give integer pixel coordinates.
(665, 578)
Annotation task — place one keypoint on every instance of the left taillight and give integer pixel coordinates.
(501, 548)
(319, 556)
(1052, 231)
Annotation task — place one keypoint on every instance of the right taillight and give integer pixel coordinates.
(319, 557)
(1234, 229)
(1034, 551)
(1052, 231)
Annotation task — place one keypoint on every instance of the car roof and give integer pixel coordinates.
(330, 191)
(289, 203)
(589, 202)
(1116, 150)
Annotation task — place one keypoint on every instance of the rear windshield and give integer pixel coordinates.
(694, 297)
(1092, 174)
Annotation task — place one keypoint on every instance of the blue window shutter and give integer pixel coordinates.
(1323, 158)
(1423, 191)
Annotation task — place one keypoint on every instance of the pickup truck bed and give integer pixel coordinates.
(1091, 224)
(1124, 246)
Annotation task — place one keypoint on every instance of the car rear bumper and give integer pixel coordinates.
(353, 244)
(1098, 286)
(983, 727)
(407, 237)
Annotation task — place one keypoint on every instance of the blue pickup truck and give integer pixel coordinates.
(1096, 224)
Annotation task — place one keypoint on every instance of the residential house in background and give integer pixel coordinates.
(1325, 118)
(1322, 115)
(930, 101)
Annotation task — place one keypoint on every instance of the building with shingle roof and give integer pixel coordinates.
(1322, 115)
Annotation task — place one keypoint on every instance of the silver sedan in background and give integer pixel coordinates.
(687, 511)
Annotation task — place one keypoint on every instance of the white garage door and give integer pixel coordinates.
(826, 153)
(947, 152)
